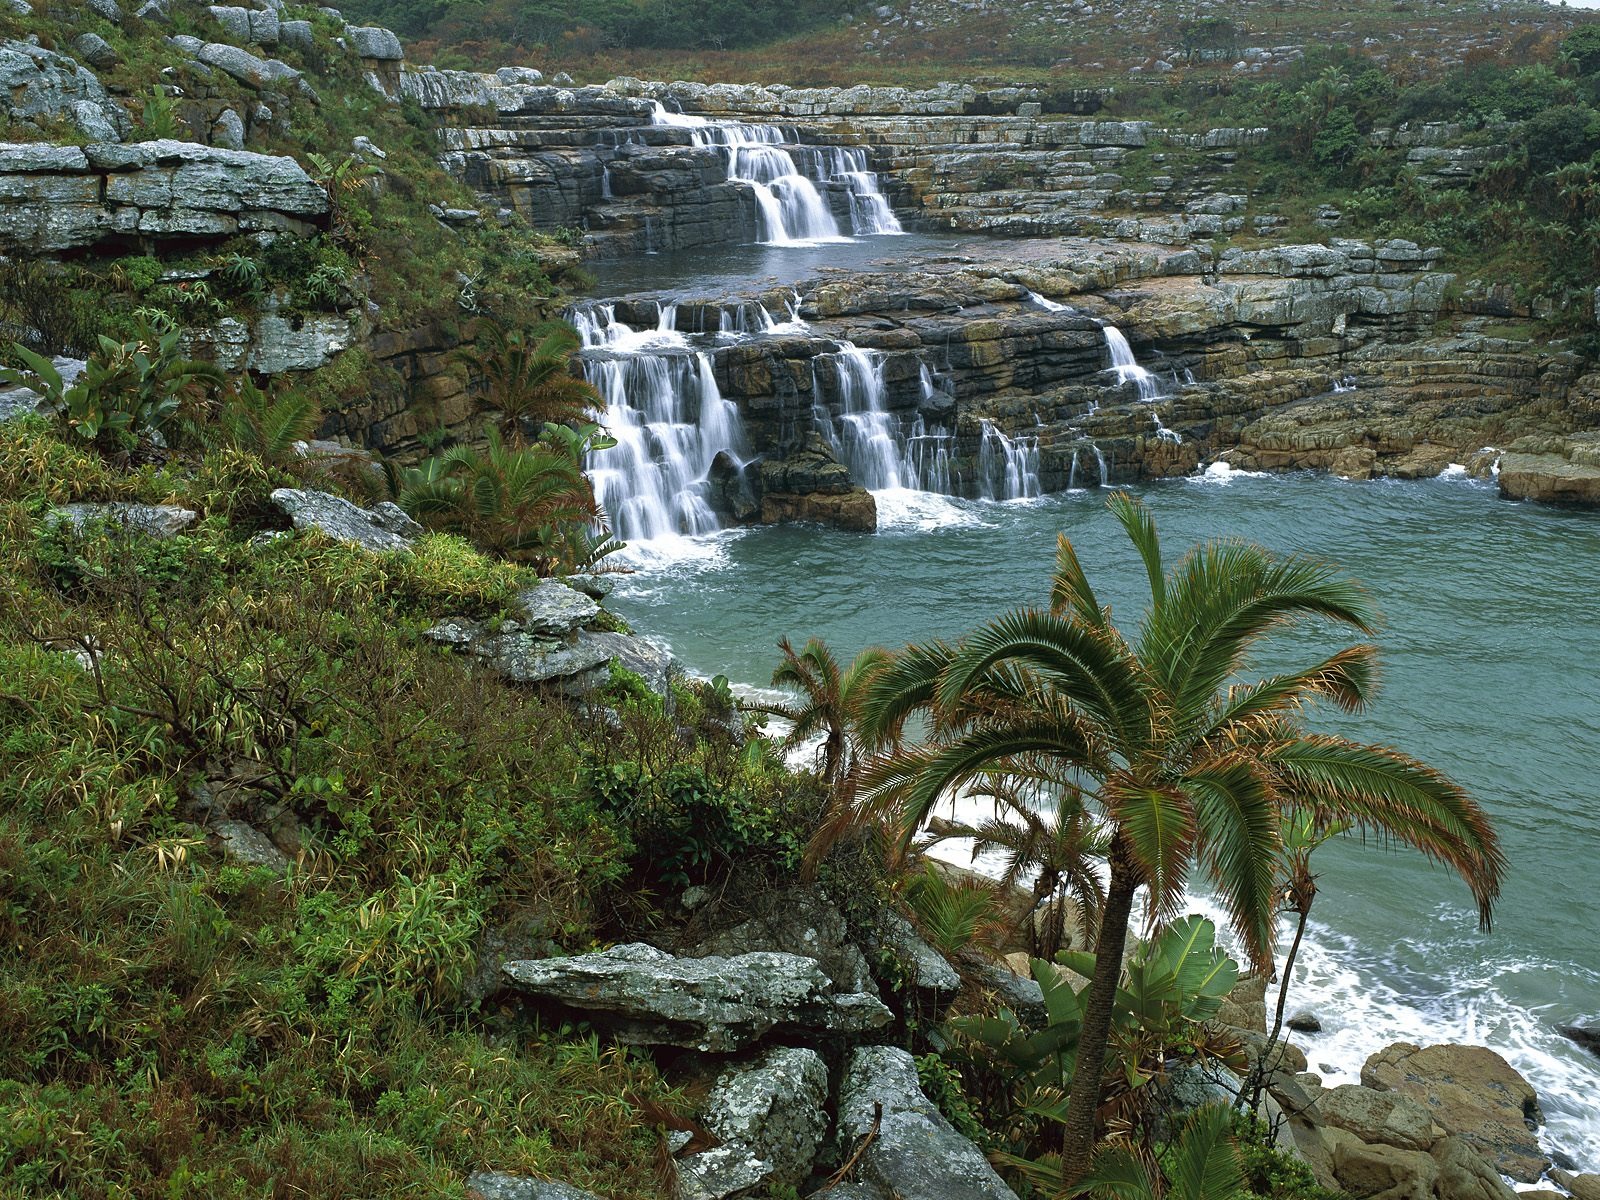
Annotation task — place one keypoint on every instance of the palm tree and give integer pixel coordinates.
(520, 503)
(829, 704)
(1184, 763)
(1042, 829)
(527, 377)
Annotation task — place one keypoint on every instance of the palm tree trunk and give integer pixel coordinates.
(1077, 1150)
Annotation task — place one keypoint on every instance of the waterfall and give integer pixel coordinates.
(1008, 468)
(1163, 433)
(669, 419)
(1047, 304)
(789, 208)
(866, 435)
(1127, 366)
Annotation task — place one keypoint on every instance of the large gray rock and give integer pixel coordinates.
(23, 401)
(649, 662)
(245, 844)
(235, 22)
(1023, 996)
(69, 197)
(39, 84)
(227, 130)
(916, 1155)
(926, 968)
(770, 1118)
(795, 920)
(1472, 1092)
(95, 50)
(107, 10)
(710, 1004)
(297, 35)
(1373, 1116)
(160, 521)
(249, 70)
(374, 41)
(524, 657)
(551, 607)
(497, 1185)
(382, 528)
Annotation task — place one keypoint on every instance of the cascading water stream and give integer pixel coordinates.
(669, 420)
(1008, 468)
(1127, 367)
(789, 208)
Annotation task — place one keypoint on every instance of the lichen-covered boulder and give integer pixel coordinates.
(36, 84)
(770, 1118)
(1472, 1092)
(382, 528)
(915, 1154)
(374, 41)
(712, 1004)
(160, 521)
(497, 1185)
(552, 607)
(795, 920)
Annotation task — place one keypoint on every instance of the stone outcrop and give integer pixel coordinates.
(159, 521)
(497, 1185)
(1471, 1092)
(794, 920)
(39, 85)
(710, 1004)
(383, 528)
(55, 198)
(914, 1154)
(769, 1116)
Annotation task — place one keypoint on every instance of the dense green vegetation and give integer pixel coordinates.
(588, 25)
(175, 1021)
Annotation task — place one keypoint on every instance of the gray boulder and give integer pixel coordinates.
(928, 969)
(95, 50)
(245, 844)
(650, 663)
(1023, 996)
(227, 130)
(36, 83)
(374, 41)
(297, 35)
(382, 528)
(795, 920)
(551, 607)
(770, 1118)
(106, 9)
(915, 1155)
(512, 76)
(710, 1004)
(22, 401)
(496, 1185)
(249, 70)
(152, 10)
(235, 22)
(160, 521)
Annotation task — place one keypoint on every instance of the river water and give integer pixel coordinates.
(1490, 643)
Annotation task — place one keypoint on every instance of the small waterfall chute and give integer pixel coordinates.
(1127, 367)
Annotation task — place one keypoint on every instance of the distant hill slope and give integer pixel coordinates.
(849, 41)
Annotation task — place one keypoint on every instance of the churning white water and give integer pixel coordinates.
(1127, 367)
(790, 209)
